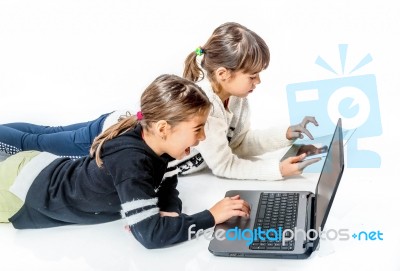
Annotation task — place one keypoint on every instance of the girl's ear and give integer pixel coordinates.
(222, 74)
(161, 128)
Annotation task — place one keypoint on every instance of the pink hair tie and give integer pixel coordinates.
(139, 115)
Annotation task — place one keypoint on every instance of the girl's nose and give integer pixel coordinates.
(202, 135)
(258, 80)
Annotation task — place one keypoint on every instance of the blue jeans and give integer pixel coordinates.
(72, 140)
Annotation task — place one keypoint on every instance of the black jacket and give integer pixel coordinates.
(133, 183)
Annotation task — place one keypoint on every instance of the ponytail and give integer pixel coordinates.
(112, 132)
(192, 70)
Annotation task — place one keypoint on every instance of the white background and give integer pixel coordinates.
(67, 61)
(70, 61)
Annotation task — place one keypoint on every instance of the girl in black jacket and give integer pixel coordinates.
(125, 175)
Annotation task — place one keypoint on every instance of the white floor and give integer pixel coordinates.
(366, 201)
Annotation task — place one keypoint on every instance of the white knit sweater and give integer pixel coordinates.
(230, 144)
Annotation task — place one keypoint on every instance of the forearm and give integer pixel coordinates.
(220, 158)
(258, 142)
(257, 168)
(158, 232)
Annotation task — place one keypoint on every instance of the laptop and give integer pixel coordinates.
(282, 224)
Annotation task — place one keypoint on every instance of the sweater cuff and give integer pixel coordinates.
(272, 172)
(204, 220)
(283, 141)
(278, 171)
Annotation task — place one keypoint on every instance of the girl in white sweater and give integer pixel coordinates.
(227, 67)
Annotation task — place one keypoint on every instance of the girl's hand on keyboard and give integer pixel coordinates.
(230, 207)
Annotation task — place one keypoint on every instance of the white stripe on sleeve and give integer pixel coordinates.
(136, 218)
(171, 173)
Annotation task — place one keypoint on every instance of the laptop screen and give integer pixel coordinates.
(329, 178)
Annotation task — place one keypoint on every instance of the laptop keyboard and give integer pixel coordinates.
(276, 212)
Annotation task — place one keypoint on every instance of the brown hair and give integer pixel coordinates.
(231, 46)
(168, 97)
